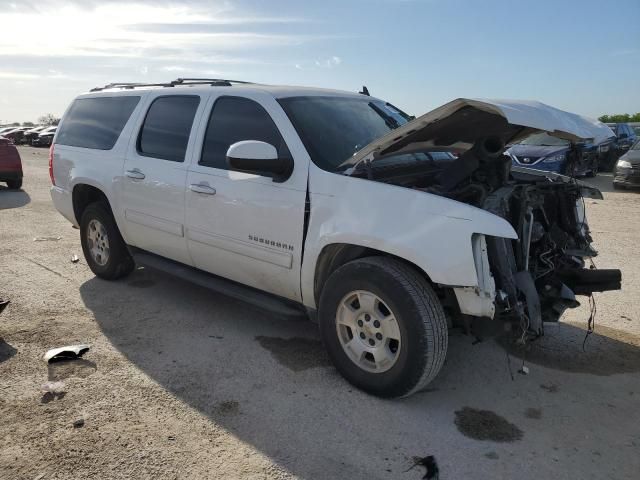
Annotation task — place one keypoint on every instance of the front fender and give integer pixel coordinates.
(429, 231)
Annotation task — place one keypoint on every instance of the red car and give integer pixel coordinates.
(10, 164)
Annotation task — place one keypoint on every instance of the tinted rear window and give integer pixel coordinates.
(166, 129)
(96, 122)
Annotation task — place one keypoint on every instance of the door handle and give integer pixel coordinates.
(135, 174)
(202, 188)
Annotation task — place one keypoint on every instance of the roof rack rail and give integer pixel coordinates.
(185, 81)
(214, 82)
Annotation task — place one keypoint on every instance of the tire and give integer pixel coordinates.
(420, 324)
(618, 186)
(15, 184)
(112, 259)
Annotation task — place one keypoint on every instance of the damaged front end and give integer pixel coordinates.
(536, 277)
(539, 275)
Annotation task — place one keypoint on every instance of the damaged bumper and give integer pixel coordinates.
(478, 301)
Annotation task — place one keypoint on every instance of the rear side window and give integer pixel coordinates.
(232, 120)
(166, 128)
(96, 122)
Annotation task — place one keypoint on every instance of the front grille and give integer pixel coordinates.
(526, 160)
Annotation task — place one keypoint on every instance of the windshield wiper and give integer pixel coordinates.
(391, 122)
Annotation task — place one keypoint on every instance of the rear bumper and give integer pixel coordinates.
(64, 203)
(41, 142)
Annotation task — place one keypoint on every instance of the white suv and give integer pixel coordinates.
(386, 229)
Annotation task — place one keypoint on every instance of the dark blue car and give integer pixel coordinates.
(544, 152)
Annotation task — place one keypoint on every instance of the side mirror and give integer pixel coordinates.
(253, 156)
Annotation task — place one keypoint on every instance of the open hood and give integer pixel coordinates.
(458, 124)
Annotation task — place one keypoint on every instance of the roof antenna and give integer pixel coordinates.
(365, 91)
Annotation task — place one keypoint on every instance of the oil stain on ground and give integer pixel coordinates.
(296, 353)
(228, 407)
(63, 369)
(533, 413)
(607, 351)
(486, 425)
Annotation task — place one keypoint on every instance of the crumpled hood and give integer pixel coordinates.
(458, 124)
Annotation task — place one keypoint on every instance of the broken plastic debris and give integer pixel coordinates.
(47, 239)
(75, 259)
(65, 353)
(53, 387)
(524, 370)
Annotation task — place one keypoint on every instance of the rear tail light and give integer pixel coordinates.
(53, 180)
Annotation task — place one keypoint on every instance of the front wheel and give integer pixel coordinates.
(104, 248)
(383, 326)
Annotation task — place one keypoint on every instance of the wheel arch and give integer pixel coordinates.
(84, 194)
(335, 255)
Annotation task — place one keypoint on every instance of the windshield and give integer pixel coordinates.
(334, 128)
(636, 146)
(544, 140)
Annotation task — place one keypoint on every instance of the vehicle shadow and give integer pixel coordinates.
(268, 381)
(13, 198)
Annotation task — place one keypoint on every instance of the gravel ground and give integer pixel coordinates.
(183, 383)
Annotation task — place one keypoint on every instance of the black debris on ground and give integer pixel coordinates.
(430, 464)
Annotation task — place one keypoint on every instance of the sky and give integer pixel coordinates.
(580, 55)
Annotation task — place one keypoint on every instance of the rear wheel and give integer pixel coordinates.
(104, 249)
(383, 326)
(15, 184)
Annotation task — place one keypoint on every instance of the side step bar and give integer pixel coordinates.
(258, 298)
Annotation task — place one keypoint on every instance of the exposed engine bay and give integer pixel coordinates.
(538, 275)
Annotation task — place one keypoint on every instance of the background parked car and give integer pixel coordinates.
(10, 164)
(627, 170)
(625, 137)
(15, 135)
(44, 138)
(544, 152)
(29, 135)
(5, 129)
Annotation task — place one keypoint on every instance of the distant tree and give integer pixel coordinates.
(48, 120)
(620, 118)
(14, 124)
(28, 124)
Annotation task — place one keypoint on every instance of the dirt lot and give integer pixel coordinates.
(184, 383)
